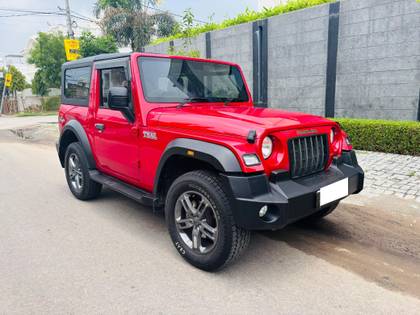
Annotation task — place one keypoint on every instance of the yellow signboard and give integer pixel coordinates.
(72, 47)
(8, 81)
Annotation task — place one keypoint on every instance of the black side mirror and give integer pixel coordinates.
(118, 100)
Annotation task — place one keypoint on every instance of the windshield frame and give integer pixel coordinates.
(248, 99)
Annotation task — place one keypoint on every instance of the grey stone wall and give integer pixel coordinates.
(378, 59)
(378, 69)
(297, 58)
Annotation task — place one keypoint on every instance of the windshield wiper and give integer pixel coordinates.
(227, 101)
(192, 100)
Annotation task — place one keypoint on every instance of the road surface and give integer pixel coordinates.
(111, 255)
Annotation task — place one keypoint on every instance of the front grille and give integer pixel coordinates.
(308, 155)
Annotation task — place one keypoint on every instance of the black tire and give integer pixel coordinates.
(88, 189)
(231, 240)
(320, 214)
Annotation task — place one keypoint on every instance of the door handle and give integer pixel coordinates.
(100, 127)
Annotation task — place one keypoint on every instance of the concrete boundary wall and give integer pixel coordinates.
(355, 58)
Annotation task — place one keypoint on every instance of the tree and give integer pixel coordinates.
(166, 25)
(186, 29)
(130, 23)
(91, 45)
(47, 55)
(39, 86)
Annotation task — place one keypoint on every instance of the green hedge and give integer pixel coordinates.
(50, 103)
(245, 17)
(401, 137)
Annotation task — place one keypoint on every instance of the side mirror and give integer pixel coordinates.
(118, 98)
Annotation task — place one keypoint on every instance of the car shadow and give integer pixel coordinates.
(324, 228)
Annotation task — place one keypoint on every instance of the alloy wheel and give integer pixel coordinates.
(75, 172)
(196, 222)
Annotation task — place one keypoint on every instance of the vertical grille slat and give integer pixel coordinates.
(307, 155)
(300, 157)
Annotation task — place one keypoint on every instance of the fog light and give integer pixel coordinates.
(263, 211)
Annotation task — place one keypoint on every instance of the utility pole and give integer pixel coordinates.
(70, 32)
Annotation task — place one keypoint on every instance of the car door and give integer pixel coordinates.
(115, 134)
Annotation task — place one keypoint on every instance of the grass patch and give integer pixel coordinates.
(44, 113)
(400, 137)
(245, 17)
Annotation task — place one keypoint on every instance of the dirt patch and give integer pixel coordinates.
(45, 134)
(381, 245)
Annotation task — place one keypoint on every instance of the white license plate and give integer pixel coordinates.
(333, 192)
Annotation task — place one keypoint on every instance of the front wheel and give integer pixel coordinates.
(200, 221)
(77, 173)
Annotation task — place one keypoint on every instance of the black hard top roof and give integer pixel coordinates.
(89, 60)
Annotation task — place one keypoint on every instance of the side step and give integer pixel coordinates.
(127, 190)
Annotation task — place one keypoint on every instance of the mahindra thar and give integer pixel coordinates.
(182, 136)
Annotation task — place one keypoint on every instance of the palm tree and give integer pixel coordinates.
(131, 23)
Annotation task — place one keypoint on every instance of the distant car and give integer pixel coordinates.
(182, 135)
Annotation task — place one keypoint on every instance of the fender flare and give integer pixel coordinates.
(220, 157)
(77, 129)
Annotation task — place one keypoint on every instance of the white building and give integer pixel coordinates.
(269, 3)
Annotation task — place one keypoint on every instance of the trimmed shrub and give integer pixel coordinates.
(401, 137)
(50, 103)
(245, 17)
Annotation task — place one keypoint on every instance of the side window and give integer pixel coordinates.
(114, 77)
(76, 85)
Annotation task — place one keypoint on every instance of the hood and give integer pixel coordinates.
(231, 120)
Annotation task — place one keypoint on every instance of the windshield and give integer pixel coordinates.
(166, 80)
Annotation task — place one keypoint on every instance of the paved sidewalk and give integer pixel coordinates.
(7, 122)
(391, 174)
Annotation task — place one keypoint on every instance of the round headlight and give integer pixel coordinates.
(267, 147)
(332, 135)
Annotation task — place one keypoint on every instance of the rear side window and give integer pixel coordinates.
(76, 86)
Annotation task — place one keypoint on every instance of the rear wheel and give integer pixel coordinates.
(200, 221)
(77, 173)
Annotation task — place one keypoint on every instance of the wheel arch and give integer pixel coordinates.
(183, 155)
(73, 131)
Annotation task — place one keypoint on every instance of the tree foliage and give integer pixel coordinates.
(166, 25)
(39, 86)
(131, 23)
(185, 28)
(47, 55)
(91, 45)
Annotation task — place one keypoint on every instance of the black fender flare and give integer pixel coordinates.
(218, 156)
(77, 129)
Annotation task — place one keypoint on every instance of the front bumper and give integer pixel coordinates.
(287, 200)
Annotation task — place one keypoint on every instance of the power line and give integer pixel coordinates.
(83, 17)
(47, 13)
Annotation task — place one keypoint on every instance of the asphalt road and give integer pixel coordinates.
(111, 255)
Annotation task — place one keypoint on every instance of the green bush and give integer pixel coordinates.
(245, 17)
(50, 103)
(401, 137)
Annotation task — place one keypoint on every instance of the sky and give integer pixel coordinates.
(16, 31)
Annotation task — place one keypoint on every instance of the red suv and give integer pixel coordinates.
(182, 135)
